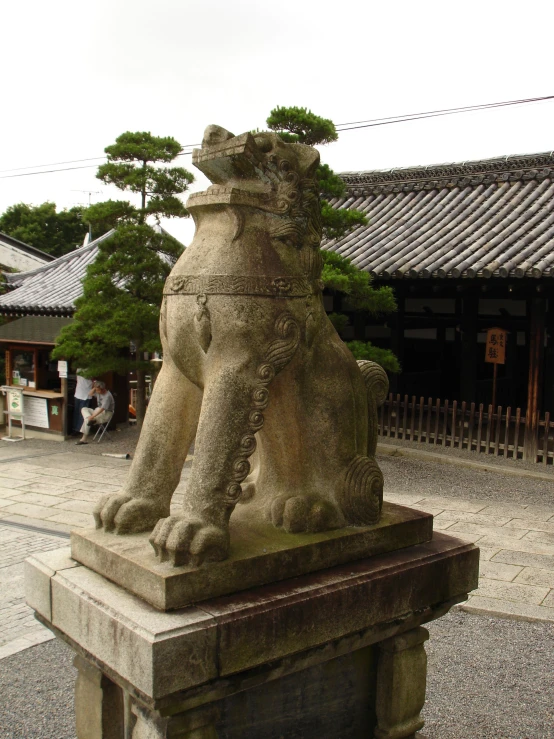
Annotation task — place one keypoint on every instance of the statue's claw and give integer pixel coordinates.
(127, 515)
(305, 513)
(185, 541)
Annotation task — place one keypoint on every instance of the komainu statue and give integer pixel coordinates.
(285, 420)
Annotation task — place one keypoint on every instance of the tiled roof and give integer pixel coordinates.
(27, 248)
(492, 218)
(52, 288)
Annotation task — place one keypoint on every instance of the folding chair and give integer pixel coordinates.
(103, 427)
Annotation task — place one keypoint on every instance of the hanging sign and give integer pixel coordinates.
(495, 351)
(62, 369)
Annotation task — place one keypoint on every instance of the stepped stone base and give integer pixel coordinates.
(260, 554)
(334, 653)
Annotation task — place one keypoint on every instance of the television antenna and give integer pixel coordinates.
(90, 193)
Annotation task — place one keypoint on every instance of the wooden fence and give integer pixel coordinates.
(468, 426)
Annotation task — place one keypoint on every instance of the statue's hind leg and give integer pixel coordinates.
(168, 431)
(318, 471)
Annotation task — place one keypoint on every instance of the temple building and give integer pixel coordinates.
(466, 247)
(16, 255)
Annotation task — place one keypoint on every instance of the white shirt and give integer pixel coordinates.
(83, 387)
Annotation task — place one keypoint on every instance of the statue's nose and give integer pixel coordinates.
(216, 135)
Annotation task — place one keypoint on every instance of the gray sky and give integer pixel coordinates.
(75, 75)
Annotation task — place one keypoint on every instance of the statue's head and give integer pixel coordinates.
(261, 171)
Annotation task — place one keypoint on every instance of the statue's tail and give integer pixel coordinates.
(377, 385)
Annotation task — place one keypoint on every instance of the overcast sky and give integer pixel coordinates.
(75, 75)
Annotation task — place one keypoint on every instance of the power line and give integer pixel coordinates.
(76, 161)
(444, 111)
(64, 169)
(51, 164)
(351, 126)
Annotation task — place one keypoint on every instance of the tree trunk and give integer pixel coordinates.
(141, 397)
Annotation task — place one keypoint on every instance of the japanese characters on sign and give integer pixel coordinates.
(495, 351)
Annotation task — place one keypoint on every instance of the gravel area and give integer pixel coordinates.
(36, 693)
(410, 476)
(472, 456)
(488, 679)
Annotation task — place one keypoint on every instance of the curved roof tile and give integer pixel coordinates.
(490, 218)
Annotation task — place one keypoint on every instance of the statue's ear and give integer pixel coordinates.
(308, 159)
(216, 135)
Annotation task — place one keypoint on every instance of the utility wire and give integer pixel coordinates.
(353, 125)
(445, 111)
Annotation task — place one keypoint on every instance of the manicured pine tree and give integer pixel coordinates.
(351, 285)
(122, 290)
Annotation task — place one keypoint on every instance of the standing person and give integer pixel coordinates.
(103, 413)
(82, 399)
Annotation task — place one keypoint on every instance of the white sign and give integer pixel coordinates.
(62, 369)
(15, 402)
(36, 412)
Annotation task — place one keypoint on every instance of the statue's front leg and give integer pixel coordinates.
(168, 431)
(235, 396)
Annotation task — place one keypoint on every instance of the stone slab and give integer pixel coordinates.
(508, 609)
(259, 554)
(162, 653)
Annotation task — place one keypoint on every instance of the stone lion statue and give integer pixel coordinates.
(284, 418)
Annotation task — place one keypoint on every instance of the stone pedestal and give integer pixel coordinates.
(333, 653)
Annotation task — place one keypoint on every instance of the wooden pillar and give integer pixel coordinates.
(536, 315)
(397, 337)
(468, 359)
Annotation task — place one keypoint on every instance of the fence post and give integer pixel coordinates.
(537, 311)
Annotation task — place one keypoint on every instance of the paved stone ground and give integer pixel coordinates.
(18, 628)
(54, 486)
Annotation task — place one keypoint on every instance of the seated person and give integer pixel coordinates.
(101, 414)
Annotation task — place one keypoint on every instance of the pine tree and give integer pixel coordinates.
(122, 290)
(351, 285)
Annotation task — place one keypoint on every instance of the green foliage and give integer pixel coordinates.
(118, 304)
(341, 275)
(330, 184)
(107, 215)
(339, 320)
(123, 289)
(384, 357)
(130, 167)
(301, 126)
(336, 222)
(41, 226)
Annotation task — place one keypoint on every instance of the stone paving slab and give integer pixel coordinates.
(18, 627)
(57, 492)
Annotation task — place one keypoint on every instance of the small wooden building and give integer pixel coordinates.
(41, 301)
(466, 247)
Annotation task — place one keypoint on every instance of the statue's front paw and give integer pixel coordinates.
(305, 513)
(186, 541)
(127, 515)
